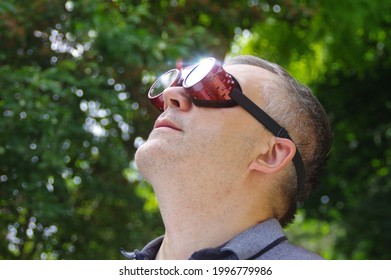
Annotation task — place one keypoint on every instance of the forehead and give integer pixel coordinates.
(254, 81)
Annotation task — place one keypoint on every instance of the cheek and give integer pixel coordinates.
(223, 146)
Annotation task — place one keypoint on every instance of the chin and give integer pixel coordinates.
(148, 157)
(142, 155)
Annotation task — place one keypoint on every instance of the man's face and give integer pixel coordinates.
(201, 144)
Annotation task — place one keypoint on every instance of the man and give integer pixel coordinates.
(228, 161)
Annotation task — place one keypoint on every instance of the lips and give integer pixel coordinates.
(165, 123)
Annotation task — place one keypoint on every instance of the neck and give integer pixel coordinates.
(186, 234)
(195, 224)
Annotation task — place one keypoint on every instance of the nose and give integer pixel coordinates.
(176, 97)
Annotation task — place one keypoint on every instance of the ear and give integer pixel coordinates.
(279, 155)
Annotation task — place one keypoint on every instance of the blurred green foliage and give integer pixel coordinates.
(73, 110)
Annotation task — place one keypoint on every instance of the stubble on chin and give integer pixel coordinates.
(155, 161)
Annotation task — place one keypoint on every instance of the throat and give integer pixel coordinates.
(185, 235)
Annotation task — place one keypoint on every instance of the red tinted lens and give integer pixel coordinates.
(166, 80)
(199, 72)
(209, 82)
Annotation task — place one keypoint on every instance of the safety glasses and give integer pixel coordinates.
(209, 85)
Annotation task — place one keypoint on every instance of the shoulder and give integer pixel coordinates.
(267, 241)
(288, 251)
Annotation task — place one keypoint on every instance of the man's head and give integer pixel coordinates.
(199, 154)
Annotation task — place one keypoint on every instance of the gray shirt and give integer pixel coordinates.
(264, 241)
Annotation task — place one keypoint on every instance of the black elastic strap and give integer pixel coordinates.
(268, 247)
(259, 114)
(274, 128)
